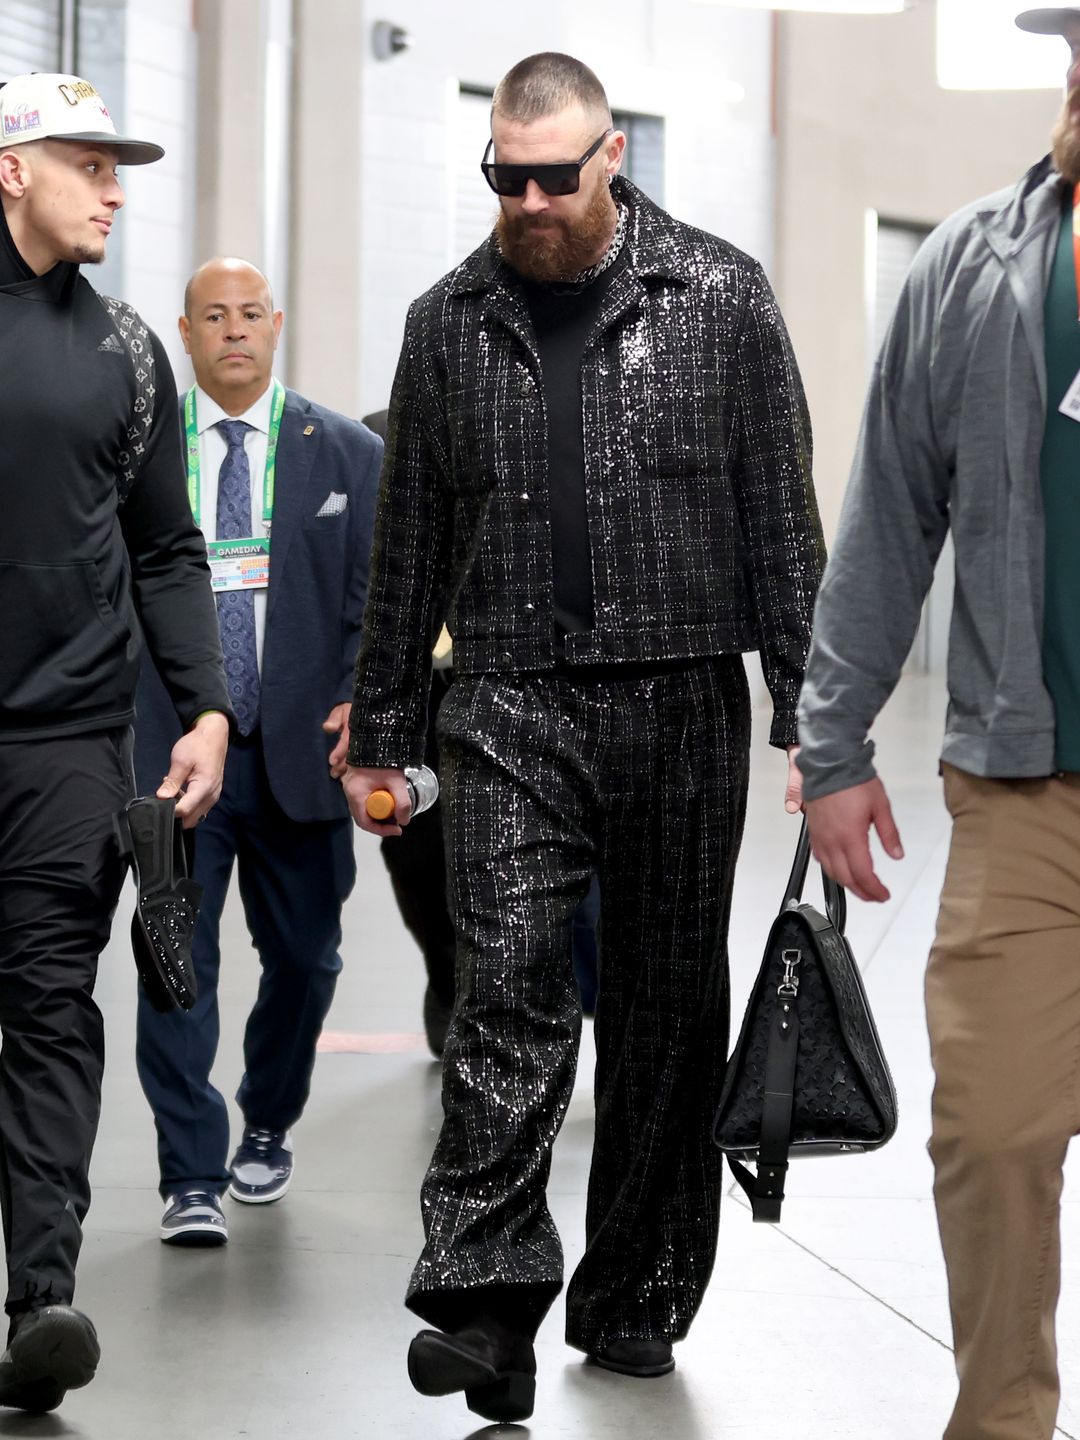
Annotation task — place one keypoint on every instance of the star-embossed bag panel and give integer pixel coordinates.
(808, 1074)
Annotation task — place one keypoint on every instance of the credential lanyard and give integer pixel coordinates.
(194, 481)
(1076, 237)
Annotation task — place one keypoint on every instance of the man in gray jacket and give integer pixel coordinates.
(972, 424)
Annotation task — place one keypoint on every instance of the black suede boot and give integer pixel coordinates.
(644, 1358)
(493, 1364)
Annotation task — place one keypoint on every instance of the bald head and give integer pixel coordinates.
(230, 329)
(222, 266)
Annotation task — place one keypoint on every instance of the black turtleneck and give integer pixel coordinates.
(564, 317)
(16, 277)
(77, 573)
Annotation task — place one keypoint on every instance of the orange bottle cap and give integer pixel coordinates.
(380, 805)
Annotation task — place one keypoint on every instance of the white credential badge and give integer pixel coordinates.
(1070, 406)
(239, 564)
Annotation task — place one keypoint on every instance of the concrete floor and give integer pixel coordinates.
(832, 1326)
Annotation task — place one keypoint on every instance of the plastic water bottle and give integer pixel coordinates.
(423, 786)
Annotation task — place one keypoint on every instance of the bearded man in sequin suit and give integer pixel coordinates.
(598, 473)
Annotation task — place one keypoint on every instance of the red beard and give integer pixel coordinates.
(557, 249)
(1066, 139)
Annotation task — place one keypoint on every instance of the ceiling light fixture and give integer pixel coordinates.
(827, 7)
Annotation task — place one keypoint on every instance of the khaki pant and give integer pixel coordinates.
(1003, 1006)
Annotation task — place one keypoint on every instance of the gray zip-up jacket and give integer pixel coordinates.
(951, 439)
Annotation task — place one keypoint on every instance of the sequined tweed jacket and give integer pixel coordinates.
(703, 527)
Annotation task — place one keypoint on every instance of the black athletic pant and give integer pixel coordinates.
(546, 779)
(60, 879)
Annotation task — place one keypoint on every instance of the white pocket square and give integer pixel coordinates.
(334, 504)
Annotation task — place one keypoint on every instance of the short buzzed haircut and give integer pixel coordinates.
(544, 84)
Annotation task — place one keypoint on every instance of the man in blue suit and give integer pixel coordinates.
(263, 464)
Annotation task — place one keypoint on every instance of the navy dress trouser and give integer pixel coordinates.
(293, 879)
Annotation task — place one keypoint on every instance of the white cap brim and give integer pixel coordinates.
(1047, 22)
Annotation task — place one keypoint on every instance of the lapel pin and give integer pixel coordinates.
(309, 429)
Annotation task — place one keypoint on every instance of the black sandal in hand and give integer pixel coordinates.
(167, 903)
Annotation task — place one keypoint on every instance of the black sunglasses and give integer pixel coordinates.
(562, 178)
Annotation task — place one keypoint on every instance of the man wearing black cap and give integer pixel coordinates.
(973, 425)
(97, 544)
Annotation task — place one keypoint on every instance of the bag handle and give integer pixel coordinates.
(835, 895)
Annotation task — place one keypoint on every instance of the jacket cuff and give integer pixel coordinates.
(822, 780)
(384, 750)
(784, 730)
(189, 715)
(381, 756)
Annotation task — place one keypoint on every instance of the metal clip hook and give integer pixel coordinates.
(789, 984)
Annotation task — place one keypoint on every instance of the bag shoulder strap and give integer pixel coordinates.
(136, 340)
(765, 1191)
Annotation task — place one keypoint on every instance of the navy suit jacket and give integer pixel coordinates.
(315, 603)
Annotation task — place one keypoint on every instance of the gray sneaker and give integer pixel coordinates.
(194, 1218)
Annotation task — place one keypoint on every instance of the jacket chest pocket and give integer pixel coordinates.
(326, 530)
(495, 428)
(677, 415)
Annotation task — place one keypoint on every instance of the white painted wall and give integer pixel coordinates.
(669, 57)
(160, 74)
(141, 56)
(323, 324)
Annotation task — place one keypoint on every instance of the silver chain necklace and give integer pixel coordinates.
(610, 255)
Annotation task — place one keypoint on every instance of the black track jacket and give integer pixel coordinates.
(79, 572)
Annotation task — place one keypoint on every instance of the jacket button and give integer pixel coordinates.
(506, 658)
(529, 607)
(524, 497)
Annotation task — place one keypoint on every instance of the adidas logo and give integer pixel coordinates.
(112, 344)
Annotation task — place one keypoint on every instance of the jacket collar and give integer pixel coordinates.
(1012, 223)
(1009, 221)
(654, 247)
(16, 277)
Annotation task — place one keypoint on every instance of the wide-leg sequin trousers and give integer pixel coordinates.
(545, 778)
